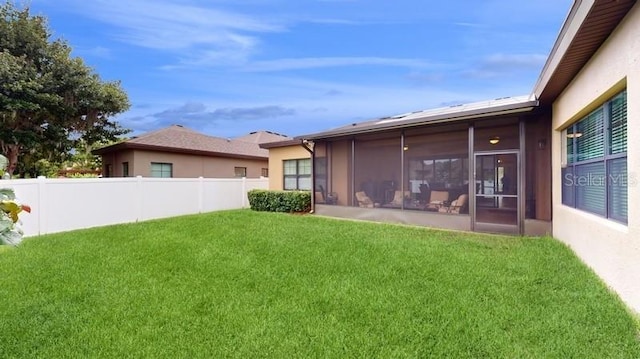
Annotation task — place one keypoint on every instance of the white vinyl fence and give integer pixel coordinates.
(59, 205)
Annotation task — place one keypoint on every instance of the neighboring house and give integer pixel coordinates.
(289, 165)
(557, 161)
(177, 151)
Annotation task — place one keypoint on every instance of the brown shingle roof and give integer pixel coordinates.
(184, 140)
(260, 137)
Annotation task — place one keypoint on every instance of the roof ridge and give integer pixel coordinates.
(160, 130)
(262, 136)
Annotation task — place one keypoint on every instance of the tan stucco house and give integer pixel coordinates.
(289, 165)
(176, 151)
(592, 82)
(556, 161)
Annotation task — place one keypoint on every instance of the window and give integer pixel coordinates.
(297, 174)
(594, 177)
(438, 173)
(125, 169)
(240, 171)
(264, 172)
(164, 170)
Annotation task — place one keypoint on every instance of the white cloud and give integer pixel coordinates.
(319, 62)
(168, 25)
(329, 21)
(497, 65)
(294, 105)
(470, 24)
(209, 58)
(515, 60)
(196, 31)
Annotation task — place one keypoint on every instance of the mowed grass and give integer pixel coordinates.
(242, 284)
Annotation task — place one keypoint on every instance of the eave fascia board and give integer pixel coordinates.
(156, 148)
(576, 17)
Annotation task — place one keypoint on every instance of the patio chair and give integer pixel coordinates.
(364, 200)
(437, 199)
(319, 195)
(457, 206)
(331, 198)
(399, 197)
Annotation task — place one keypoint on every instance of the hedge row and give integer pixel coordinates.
(280, 201)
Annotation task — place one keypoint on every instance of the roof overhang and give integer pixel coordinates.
(586, 28)
(431, 117)
(277, 144)
(139, 146)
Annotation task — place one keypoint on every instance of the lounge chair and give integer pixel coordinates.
(398, 199)
(437, 200)
(364, 200)
(456, 206)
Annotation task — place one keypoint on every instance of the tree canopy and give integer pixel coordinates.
(49, 100)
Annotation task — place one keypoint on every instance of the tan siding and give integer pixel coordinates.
(610, 248)
(341, 171)
(538, 162)
(184, 165)
(124, 156)
(276, 157)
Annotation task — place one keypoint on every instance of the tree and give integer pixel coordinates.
(49, 100)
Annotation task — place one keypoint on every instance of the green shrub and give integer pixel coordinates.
(10, 231)
(280, 201)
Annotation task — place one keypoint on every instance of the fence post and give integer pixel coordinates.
(139, 198)
(200, 194)
(40, 205)
(244, 192)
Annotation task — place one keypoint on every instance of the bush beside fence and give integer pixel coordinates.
(280, 201)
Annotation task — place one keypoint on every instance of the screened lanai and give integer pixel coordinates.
(471, 168)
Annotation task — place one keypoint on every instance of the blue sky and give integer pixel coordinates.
(229, 67)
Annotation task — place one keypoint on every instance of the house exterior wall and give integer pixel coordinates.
(610, 248)
(276, 157)
(340, 181)
(108, 159)
(115, 160)
(184, 165)
(538, 170)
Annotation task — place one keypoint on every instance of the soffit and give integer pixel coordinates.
(600, 21)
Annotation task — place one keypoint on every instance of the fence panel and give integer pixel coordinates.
(168, 197)
(222, 194)
(67, 204)
(83, 203)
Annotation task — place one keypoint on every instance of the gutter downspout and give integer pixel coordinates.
(308, 145)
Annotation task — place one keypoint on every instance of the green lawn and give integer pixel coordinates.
(244, 284)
